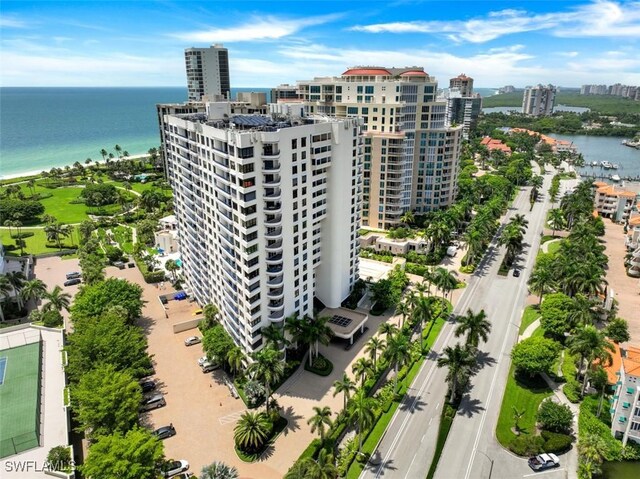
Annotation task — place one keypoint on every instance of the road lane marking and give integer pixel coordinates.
(544, 472)
(504, 342)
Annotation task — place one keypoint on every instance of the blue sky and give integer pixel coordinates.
(113, 43)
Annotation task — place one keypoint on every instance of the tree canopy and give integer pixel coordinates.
(95, 299)
(555, 314)
(535, 355)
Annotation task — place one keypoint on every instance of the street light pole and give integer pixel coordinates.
(490, 460)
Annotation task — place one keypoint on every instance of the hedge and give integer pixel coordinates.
(320, 366)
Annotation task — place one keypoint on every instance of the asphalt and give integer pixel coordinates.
(407, 447)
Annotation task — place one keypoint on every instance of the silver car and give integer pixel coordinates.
(191, 340)
(153, 402)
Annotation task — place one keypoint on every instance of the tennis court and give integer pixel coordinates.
(20, 398)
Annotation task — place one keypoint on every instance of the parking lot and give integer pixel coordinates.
(52, 272)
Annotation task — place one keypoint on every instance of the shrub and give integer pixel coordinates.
(535, 355)
(556, 442)
(114, 254)
(572, 390)
(255, 392)
(526, 445)
(59, 457)
(554, 417)
(320, 366)
(52, 319)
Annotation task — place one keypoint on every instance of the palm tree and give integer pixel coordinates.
(542, 280)
(251, 431)
(520, 220)
(582, 310)
(517, 415)
(319, 333)
(171, 266)
(398, 353)
(268, 368)
(590, 344)
(235, 357)
(5, 289)
(475, 326)
(459, 359)
(118, 150)
(590, 451)
(273, 336)
(58, 300)
(320, 420)
(361, 368)
(445, 281)
(31, 184)
(33, 289)
(57, 231)
(407, 218)
(86, 229)
(374, 345)
(421, 314)
(16, 280)
(103, 153)
(345, 386)
(404, 310)
(556, 220)
(387, 328)
(219, 470)
(321, 468)
(361, 411)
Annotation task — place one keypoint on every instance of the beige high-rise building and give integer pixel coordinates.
(463, 83)
(411, 157)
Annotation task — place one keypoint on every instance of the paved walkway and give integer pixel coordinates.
(545, 245)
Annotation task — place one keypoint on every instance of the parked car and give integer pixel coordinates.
(164, 432)
(148, 385)
(183, 475)
(72, 282)
(73, 275)
(209, 366)
(153, 402)
(202, 360)
(516, 272)
(543, 462)
(191, 340)
(171, 468)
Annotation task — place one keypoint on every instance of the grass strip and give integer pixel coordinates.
(446, 421)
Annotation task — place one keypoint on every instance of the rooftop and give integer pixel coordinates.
(611, 190)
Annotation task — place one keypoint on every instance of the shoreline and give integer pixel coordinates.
(13, 176)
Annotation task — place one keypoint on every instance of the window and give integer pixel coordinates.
(314, 89)
(368, 90)
(352, 110)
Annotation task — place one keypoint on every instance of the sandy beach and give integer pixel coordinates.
(94, 162)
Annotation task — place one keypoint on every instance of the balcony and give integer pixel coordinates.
(273, 220)
(273, 206)
(272, 194)
(274, 246)
(271, 180)
(275, 305)
(274, 259)
(276, 294)
(274, 269)
(277, 315)
(273, 233)
(271, 166)
(277, 280)
(270, 150)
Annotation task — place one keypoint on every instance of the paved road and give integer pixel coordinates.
(408, 445)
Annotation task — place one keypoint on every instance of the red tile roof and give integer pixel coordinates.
(367, 72)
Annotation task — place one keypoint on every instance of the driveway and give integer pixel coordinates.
(52, 272)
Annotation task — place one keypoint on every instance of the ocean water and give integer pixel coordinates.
(41, 128)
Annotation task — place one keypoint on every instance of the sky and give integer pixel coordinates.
(141, 43)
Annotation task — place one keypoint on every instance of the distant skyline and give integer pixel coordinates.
(114, 43)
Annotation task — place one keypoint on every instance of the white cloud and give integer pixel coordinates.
(257, 28)
(572, 54)
(10, 22)
(602, 18)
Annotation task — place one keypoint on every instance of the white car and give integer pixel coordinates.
(171, 468)
(202, 360)
(544, 461)
(191, 340)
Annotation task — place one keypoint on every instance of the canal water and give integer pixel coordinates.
(621, 470)
(605, 148)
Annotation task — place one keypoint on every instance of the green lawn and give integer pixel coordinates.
(60, 203)
(36, 244)
(554, 247)
(521, 395)
(530, 314)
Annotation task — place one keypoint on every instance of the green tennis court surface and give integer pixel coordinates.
(20, 399)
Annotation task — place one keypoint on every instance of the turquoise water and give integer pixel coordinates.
(45, 127)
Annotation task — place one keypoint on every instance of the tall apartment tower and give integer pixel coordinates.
(463, 83)
(411, 157)
(267, 213)
(538, 100)
(207, 73)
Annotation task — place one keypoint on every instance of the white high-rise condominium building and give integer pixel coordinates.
(538, 100)
(267, 213)
(411, 158)
(207, 73)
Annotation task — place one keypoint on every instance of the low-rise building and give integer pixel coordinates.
(166, 238)
(624, 373)
(494, 145)
(613, 202)
(633, 246)
(380, 242)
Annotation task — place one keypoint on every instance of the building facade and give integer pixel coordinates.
(268, 213)
(207, 73)
(463, 84)
(625, 403)
(538, 100)
(411, 157)
(612, 202)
